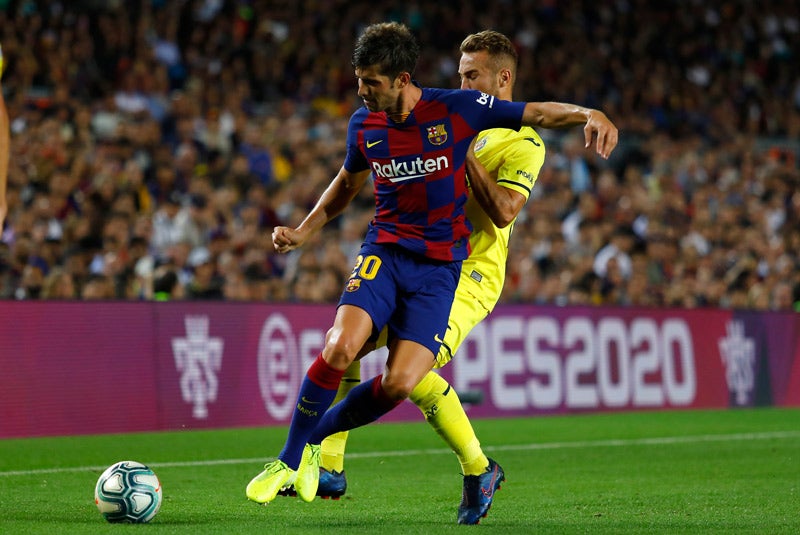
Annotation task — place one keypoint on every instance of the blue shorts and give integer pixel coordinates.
(409, 294)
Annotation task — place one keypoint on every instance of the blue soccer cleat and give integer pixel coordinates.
(332, 484)
(478, 493)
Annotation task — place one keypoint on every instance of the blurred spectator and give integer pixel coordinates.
(59, 284)
(166, 228)
(32, 279)
(204, 283)
(98, 287)
(304, 286)
(782, 296)
(166, 285)
(617, 251)
(259, 284)
(235, 287)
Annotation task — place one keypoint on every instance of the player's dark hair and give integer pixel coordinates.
(498, 46)
(389, 45)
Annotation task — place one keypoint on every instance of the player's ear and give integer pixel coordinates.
(504, 77)
(403, 79)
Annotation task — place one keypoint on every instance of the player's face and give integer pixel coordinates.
(378, 91)
(477, 72)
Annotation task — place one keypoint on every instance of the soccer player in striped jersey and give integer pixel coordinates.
(413, 141)
(513, 159)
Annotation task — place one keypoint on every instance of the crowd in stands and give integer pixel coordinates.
(156, 143)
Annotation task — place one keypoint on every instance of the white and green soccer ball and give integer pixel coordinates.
(128, 491)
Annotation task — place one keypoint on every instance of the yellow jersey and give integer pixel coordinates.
(513, 158)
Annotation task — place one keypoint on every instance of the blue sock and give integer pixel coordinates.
(316, 394)
(363, 404)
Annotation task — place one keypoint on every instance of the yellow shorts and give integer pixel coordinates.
(466, 312)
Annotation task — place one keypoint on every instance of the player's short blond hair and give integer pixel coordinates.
(498, 46)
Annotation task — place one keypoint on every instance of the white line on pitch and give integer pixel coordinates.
(654, 441)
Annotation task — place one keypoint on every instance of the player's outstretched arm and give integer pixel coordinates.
(343, 189)
(561, 115)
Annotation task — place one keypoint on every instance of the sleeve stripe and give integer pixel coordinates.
(514, 183)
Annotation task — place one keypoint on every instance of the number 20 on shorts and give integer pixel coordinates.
(366, 268)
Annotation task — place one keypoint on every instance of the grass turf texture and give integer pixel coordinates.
(735, 471)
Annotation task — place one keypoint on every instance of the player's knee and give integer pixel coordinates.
(338, 355)
(398, 387)
(340, 350)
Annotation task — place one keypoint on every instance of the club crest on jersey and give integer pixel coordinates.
(437, 134)
(353, 285)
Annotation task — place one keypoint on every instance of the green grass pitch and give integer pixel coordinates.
(676, 472)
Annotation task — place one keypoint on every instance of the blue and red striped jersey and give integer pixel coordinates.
(418, 167)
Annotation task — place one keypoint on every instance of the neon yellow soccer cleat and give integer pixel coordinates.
(265, 486)
(308, 473)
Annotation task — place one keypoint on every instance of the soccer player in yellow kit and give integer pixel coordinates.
(513, 160)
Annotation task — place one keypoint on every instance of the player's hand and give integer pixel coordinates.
(286, 239)
(607, 135)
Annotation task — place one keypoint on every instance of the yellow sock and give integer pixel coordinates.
(439, 403)
(332, 451)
